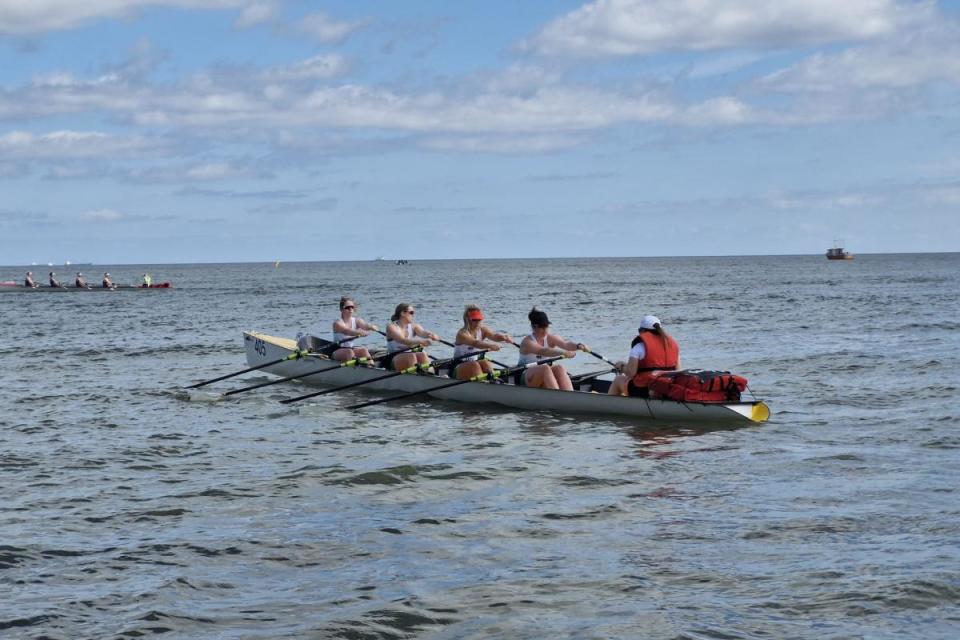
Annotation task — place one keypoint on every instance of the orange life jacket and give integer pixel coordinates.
(658, 357)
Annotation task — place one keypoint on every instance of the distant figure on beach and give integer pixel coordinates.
(53, 281)
(147, 280)
(79, 282)
(28, 281)
(651, 351)
(107, 283)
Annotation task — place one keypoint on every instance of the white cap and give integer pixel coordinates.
(649, 321)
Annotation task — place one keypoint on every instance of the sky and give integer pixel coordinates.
(170, 131)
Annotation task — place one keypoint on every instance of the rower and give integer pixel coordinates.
(54, 282)
(404, 333)
(653, 350)
(107, 283)
(543, 344)
(474, 336)
(28, 281)
(79, 282)
(346, 326)
(147, 280)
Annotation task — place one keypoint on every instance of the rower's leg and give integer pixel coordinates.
(404, 361)
(563, 379)
(541, 377)
(619, 386)
(343, 354)
(467, 370)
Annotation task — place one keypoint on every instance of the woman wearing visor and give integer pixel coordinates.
(474, 336)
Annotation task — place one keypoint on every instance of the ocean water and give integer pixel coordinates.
(131, 509)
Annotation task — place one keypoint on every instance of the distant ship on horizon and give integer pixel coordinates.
(836, 252)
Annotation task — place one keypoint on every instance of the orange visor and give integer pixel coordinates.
(475, 314)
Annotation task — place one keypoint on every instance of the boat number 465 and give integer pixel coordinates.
(260, 347)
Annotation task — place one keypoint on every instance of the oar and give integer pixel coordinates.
(347, 363)
(482, 377)
(300, 376)
(597, 355)
(296, 355)
(417, 368)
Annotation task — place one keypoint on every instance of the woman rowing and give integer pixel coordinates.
(402, 334)
(107, 283)
(653, 350)
(349, 326)
(543, 344)
(474, 336)
(54, 282)
(28, 281)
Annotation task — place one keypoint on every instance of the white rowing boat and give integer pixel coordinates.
(262, 348)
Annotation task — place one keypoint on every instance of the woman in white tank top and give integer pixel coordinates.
(403, 333)
(475, 336)
(543, 344)
(350, 326)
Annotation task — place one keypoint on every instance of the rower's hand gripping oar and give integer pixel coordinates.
(296, 355)
(417, 368)
(347, 363)
(483, 377)
(450, 344)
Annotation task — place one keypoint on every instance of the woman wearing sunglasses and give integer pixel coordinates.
(346, 327)
(474, 336)
(404, 333)
(349, 326)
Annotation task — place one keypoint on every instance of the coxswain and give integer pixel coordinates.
(28, 281)
(79, 282)
(54, 282)
(652, 351)
(107, 283)
(147, 280)
(474, 336)
(542, 344)
(403, 333)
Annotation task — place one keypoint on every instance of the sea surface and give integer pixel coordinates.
(130, 509)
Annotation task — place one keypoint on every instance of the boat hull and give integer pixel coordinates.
(262, 348)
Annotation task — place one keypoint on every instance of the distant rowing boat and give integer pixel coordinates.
(262, 348)
(14, 286)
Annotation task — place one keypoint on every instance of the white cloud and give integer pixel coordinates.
(325, 29)
(37, 16)
(910, 60)
(70, 144)
(102, 215)
(320, 67)
(523, 144)
(257, 13)
(631, 27)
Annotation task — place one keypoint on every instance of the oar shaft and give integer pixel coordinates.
(417, 368)
(300, 376)
(296, 355)
(481, 378)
